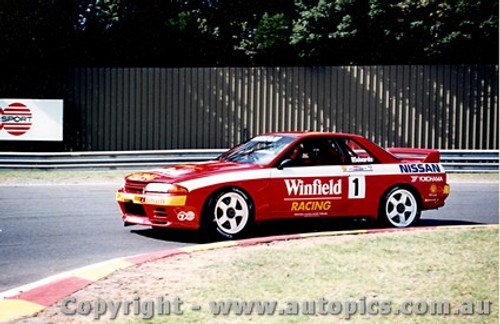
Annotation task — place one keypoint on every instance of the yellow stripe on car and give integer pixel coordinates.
(162, 200)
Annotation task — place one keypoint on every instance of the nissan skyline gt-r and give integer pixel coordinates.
(285, 176)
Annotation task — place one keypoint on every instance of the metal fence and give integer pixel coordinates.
(452, 160)
(426, 106)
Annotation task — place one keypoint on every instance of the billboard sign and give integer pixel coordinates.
(31, 119)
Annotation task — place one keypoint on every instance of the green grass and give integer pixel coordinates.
(454, 266)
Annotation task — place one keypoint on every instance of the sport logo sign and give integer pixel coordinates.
(31, 119)
(15, 119)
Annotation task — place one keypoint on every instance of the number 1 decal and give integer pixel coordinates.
(356, 187)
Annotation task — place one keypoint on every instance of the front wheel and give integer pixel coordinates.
(230, 214)
(399, 208)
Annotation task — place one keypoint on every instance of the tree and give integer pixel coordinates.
(36, 31)
(396, 32)
(246, 33)
(329, 32)
(267, 43)
(36, 37)
(463, 31)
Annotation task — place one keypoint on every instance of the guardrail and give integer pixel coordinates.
(452, 160)
(104, 159)
(470, 160)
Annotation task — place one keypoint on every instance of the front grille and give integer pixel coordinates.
(134, 209)
(160, 212)
(159, 223)
(135, 186)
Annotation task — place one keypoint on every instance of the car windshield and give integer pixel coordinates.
(258, 150)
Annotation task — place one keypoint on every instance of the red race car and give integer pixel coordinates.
(288, 175)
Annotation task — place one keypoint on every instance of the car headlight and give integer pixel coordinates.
(164, 187)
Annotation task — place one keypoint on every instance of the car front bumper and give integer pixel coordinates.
(156, 210)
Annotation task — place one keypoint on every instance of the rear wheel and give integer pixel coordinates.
(399, 208)
(229, 214)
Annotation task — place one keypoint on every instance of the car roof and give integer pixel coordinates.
(380, 153)
(311, 134)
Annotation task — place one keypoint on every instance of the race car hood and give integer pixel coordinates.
(185, 172)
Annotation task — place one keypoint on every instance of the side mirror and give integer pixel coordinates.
(284, 163)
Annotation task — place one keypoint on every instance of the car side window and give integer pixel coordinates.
(316, 151)
(355, 152)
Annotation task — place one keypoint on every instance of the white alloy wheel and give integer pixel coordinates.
(401, 208)
(231, 213)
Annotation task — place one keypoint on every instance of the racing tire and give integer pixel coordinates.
(399, 208)
(229, 215)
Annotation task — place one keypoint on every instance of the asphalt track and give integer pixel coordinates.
(48, 229)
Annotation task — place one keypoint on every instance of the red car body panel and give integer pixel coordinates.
(347, 190)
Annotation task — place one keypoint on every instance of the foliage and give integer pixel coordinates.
(33, 29)
(247, 33)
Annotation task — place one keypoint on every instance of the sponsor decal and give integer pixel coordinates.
(185, 216)
(322, 205)
(15, 119)
(419, 168)
(426, 178)
(357, 168)
(362, 159)
(142, 176)
(298, 187)
(179, 170)
(151, 200)
(311, 214)
(266, 138)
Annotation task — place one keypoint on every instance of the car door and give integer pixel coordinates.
(312, 183)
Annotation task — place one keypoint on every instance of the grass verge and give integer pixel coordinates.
(458, 268)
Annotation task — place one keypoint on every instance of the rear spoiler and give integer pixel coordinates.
(416, 154)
